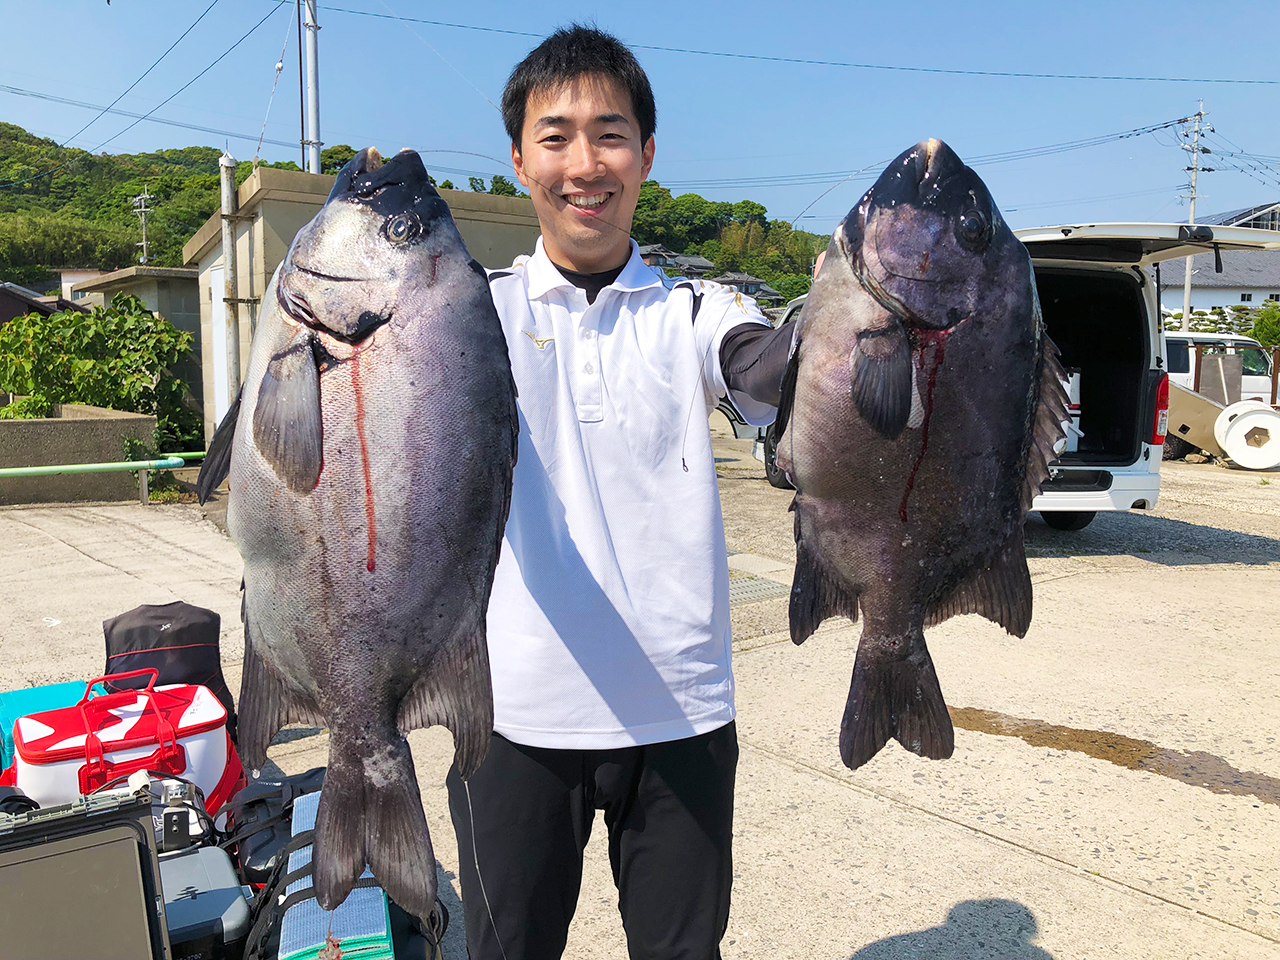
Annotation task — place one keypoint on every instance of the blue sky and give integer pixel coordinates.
(392, 83)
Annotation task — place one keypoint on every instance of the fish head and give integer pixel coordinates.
(374, 244)
(927, 241)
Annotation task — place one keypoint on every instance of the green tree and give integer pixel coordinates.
(1266, 324)
(502, 187)
(119, 356)
(477, 184)
(333, 159)
(447, 185)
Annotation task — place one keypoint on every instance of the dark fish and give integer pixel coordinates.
(920, 412)
(370, 455)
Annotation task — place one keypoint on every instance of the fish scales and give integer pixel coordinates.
(370, 456)
(919, 415)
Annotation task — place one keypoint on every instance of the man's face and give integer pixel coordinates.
(581, 158)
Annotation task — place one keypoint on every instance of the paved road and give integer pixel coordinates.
(1114, 791)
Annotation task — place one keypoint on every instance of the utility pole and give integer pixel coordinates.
(230, 283)
(1195, 150)
(141, 209)
(313, 90)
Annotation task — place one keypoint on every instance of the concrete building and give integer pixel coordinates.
(172, 292)
(70, 276)
(273, 206)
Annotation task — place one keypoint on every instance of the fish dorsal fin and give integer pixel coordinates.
(1047, 423)
(880, 368)
(266, 704)
(287, 426)
(1000, 591)
(217, 462)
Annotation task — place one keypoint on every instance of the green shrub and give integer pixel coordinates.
(119, 356)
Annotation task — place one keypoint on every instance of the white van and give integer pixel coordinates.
(1098, 292)
(1255, 360)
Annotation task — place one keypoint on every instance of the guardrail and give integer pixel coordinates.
(169, 461)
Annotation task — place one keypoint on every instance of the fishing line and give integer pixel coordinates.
(475, 855)
(274, 83)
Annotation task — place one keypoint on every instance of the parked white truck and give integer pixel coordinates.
(1098, 292)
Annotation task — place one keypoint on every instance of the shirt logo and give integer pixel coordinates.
(541, 344)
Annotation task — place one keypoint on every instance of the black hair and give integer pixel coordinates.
(564, 56)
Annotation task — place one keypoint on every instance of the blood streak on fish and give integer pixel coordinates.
(938, 338)
(370, 520)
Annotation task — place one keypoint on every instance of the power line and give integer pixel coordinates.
(147, 115)
(20, 92)
(809, 62)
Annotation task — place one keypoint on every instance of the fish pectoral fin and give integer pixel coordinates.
(371, 812)
(217, 461)
(265, 706)
(880, 367)
(1000, 591)
(1047, 427)
(898, 698)
(816, 591)
(287, 426)
(457, 693)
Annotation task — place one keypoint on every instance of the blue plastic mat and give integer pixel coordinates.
(22, 703)
(361, 924)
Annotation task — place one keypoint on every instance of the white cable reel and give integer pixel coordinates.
(1249, 433)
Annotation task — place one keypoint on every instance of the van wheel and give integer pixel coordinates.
(775, 476)
(1068, 519)
(1175, 448)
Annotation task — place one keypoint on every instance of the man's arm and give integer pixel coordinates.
(753, 359)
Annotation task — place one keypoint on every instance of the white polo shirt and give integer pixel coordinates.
(609, 620)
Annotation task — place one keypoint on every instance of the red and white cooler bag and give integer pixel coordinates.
(176, 730)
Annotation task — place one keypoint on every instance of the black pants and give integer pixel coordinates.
(669, 811)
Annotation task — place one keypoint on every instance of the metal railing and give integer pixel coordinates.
(169, 461)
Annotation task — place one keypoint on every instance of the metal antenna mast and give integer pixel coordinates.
(1195, 150)
(141, 209)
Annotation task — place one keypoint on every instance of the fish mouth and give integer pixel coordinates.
(296, 307)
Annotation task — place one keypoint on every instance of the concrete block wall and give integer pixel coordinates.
(77, 433)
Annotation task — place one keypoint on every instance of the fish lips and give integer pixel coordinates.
(922, 239)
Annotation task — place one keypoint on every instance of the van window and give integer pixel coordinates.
(1177, 357)
(1254, 362)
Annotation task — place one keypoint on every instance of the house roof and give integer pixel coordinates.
(693, 260)
(17, 300)
(1259, 269)
(657, 248)
(732, 278)
(1233, 217)
(119, 278)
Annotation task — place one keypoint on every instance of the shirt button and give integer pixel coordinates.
(588, 334)
(589, 368)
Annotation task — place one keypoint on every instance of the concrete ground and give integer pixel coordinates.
(1114, 790)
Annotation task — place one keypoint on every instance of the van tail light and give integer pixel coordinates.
(1160, 424)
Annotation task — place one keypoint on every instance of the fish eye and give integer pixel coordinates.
(973, 228)
(402, 228)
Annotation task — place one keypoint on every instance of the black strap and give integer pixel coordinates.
(697, 305)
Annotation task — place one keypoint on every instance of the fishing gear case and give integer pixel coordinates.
(177, 639)
(205, 907)
(263, 811)
(82, 880)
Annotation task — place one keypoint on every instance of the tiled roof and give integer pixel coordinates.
(1240, 268)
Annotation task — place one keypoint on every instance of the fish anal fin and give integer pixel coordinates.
(287, 426)
(1000, 591)
(1047, 421)
(457, 693)
(371, 812)
(880, 368)
(898, 699)
(217, 461)
(265, 706)
(817, 592)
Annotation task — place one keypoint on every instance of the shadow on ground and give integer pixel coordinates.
(975, 930)
(1157, 539)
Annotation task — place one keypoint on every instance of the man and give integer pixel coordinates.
(609, 619)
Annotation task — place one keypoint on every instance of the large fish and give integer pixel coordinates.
(919, 415)
(370, 454)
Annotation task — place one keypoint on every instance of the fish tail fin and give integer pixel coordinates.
(816, 591)
(897, 698)
(370, 811)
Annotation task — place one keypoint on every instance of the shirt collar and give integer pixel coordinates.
(544, 277)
